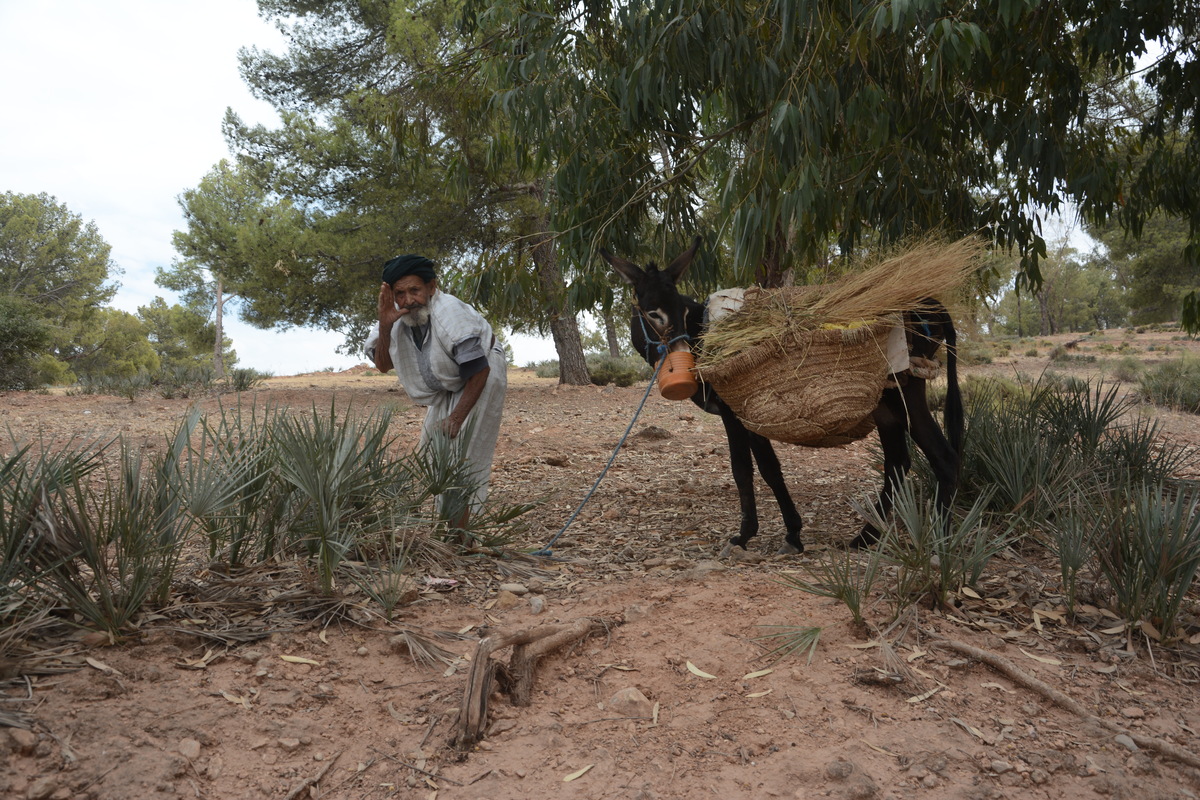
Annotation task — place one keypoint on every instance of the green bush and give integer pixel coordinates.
(1128, 369)
(622, 371)
(545, 369)
(243, 379)
(1174, 384)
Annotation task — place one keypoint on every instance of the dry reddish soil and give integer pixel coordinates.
(281, 704)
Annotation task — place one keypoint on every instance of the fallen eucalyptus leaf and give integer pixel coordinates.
(300, 660)
(1044, 659)
(578, 774)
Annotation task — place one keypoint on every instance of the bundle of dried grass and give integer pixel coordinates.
(808, 364)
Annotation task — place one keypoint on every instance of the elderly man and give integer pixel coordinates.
(447, 358)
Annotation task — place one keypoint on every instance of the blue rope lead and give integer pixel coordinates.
(662, 350)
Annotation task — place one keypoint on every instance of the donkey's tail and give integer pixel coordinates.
(954, 418)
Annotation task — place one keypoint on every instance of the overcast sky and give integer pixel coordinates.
(114, 107)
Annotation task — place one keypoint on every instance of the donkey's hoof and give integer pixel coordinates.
(789, 549)
(731, 548)
(862, 542)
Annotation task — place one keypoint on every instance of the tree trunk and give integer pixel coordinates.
(218, 361)
(610, 334)
(564, 329)
(770, 272)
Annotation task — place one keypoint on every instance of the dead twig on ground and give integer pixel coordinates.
(308, 783)
(1062, 700)
(516, 677)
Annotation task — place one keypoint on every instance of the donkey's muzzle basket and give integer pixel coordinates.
(815, 388)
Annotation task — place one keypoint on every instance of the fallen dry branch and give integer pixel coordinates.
(308, 784)
(516, 677)
(1062, 700)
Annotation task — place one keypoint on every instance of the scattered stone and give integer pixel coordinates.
(500, 726)
(635, 612)
(1133, 712)
(24, 740)
(515, 588)
(42, 788)
(839, 770)
(1125, 741)
(703, 569)
(506, 600)
(930, 781)
(746, 556)
(537, 604)
(289, 745)
(630, 702)
(251, 656)
(362, 651)
(1000, 767)
(653, 432)
(189, 749)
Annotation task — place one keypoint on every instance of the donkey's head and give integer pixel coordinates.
(661, 314)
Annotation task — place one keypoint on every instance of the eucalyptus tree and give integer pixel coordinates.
(385, 147)
(816, 122)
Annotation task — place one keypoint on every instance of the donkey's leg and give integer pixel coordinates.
(772, 473)
(930, 438)
(891, 420)
(743, 476)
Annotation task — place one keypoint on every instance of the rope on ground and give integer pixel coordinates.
(662, 350)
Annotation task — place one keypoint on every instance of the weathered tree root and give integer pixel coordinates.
(516, 677)
(1013, 673)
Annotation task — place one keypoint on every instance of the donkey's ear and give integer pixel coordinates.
(676, 268)
(626, 269)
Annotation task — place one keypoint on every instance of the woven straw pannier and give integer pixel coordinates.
(815, 388)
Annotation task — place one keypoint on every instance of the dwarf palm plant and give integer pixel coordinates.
(341, 473)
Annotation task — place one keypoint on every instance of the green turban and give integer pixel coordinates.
(403, 266)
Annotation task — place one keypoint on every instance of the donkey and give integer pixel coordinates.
(662, 315)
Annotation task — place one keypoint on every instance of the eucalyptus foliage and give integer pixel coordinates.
(809, 122)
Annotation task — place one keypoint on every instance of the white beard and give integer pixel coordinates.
(417, 317)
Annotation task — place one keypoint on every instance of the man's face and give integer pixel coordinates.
(412, 296)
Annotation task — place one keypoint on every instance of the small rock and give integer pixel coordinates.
(1126, 742)
(630, 702)
(703, 569)
(251, 656)
(500, 726)
(1000, 767)
(189, 749)
(537, 604)
(653, 432)
(506, 600)
(930, 781)
(42, 788)
(1132, 712)
(362, 651)
(515, 588)
(24, 740)
(839, 770)
(289, 745)
(635, 612)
